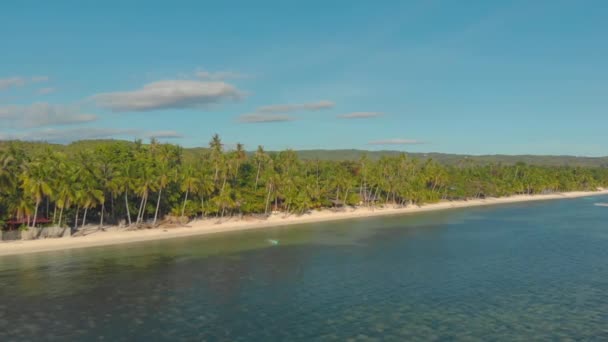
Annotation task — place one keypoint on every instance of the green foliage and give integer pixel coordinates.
(112, 181)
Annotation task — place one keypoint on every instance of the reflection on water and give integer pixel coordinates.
(517, 272)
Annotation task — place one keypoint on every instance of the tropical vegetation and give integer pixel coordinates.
(138, 185)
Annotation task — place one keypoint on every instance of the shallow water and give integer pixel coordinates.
(535, 270)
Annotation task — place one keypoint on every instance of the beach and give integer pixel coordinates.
(115, 235)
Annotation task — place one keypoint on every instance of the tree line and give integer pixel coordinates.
(138, 184)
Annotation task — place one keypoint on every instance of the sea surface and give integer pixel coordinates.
(528, 271)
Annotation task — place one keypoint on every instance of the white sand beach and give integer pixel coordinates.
(115, 235)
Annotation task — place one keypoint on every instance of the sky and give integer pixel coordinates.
(474, 77)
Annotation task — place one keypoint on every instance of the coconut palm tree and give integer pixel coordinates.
(217, 156)
(189, 183)
(90, 197)
(162, 180)
(259, 158)
(206, 185)
(35, 182)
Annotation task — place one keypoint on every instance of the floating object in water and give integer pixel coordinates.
(273, 242)
(601, 204)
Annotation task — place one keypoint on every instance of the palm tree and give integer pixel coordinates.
(239, 158)
(161, 182)
(224, 199)
(22, 209)
(90, 197)
(216, 154)
(189, 183)
(35, 182)
(125, 181)
(206, 186)
(64, 196)
(7, 179)
(259, 158)
(145, 183)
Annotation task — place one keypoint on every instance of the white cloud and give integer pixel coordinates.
(6, 83)
(19, 81)
(170, 94)
(261, 118)
(73, 134)
(360, 115)
(218, 75)
(285, 108)
(42, 114)
(163, 134)
(45, 91)
(67, 135)
(396, 142)
(277, 113)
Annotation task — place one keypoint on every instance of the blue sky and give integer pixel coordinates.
(481, 77)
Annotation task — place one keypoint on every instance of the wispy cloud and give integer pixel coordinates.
(262, 118)
(360, 115)
(286, 108)
(278, 112)
(10, 82)
(45, 91)
(219, 75)
(163, 134)
(169, 94)
(19, 81)
(397, 141)
(61, 135)
(42, 114)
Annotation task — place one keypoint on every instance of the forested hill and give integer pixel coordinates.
(352, 154)
(453, 159)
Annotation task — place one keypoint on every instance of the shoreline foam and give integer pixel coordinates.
(115, 236)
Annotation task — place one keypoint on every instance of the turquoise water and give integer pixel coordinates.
(516, 272)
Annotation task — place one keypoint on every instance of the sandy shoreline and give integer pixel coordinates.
(210, 226)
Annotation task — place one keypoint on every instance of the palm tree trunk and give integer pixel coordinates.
(221, 193)
(160, 192)
(60, 216)
(84, 217)
(143, 211)
(236, 173)
(127, 206)
(103, 207)
(376, 193)
(35, 214)
(185, 200)
(54, 212)
(76, 219)
(112, 204)
(257, 175)
(202, 205)
(142, 206)
(346, 197)
(268, 199)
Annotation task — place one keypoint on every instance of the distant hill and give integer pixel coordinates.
(340, 155)
(452, 159)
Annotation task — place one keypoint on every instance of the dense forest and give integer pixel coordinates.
(137, 184)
